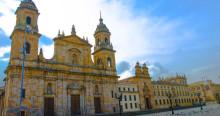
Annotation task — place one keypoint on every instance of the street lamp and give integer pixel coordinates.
(173, 95)
(169, 95)
(217, 98)
(119, 97)
(200, 100)
(22, 91)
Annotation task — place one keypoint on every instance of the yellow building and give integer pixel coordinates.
(69, 83)
(2, 98)
(210, 92)
(176, 88)
(141, 81)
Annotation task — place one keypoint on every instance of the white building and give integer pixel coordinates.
(130, 97)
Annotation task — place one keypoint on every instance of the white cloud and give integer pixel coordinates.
(126, 74)
(4, 59)
(133, 35)
(48, 51)
(4, 50)
(7, 21)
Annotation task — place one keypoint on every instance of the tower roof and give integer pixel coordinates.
(101, 27)
(27, 4)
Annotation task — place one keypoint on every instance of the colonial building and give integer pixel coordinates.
(139, 86)
(208, 91)
(2, 98)
(171, 90)
(70, 83)
(130, 97)
(77, 82)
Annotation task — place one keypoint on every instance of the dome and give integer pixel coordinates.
(29, 4)
(101, 27)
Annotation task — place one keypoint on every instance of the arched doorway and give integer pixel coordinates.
(76, 93)
(147, 97)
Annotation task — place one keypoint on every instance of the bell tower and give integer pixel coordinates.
(104, 54)
(25, 32)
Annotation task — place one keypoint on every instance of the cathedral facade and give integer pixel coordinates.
(70, 83)
(76, 81)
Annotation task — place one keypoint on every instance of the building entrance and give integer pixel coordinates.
(49, 106)
(75, 105)
(97, 103)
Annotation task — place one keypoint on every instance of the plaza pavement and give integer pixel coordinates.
(208, 110)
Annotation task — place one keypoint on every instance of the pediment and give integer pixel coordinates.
(74, 39)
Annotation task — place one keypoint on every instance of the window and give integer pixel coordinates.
(109, 62)
(156, 102)
(27, 48)
(126, 106)
(98, 42)
(124, 89)
(131, 105)
(160, 102)
(106, 40)
(134, 97)
(99, 61)
(49, 88)
(133, 89)
(125, 97)
(167, 101)
(112, 94)
(164, 101)
(119, 89)
(96, 89)
(28, 20)
(128, 89)
(135, 105)
(74, 59)
(130, 97)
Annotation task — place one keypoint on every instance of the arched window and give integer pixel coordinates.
(74, 59)
(99, 61)
(98, 42)
(27, 48)
(28, 20)
(106, 40)
(109, 62)
(49, 88)
(96, 89)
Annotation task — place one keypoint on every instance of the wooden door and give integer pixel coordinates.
(49, 106)
(97, 103)
(148, 103)
(75, 105)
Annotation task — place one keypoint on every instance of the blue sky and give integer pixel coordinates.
(171, 36)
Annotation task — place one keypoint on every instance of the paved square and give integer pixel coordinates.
(209, 110)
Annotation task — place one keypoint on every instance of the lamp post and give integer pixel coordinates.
(169, 95)
(23, 51)
(217, 98)
(173, 95)
(119, 97)
(200, 101)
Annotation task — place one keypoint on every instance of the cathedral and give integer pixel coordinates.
(77, 81)
(70, 83)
